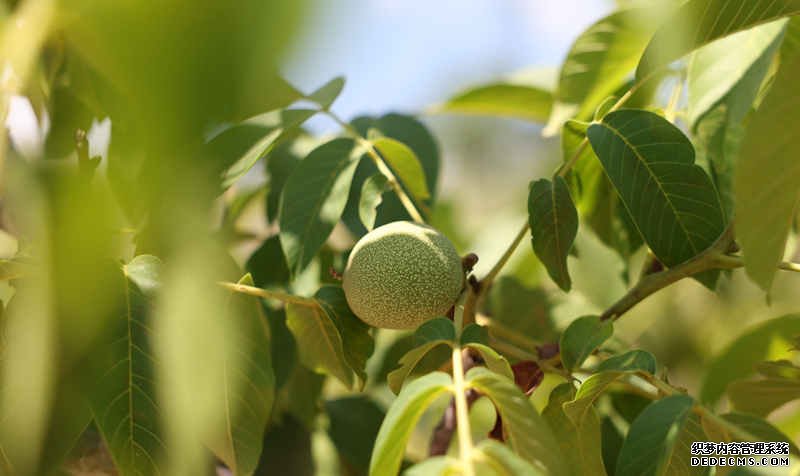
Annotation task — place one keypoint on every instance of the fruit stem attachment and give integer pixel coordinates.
(462, 414)
(384, 169)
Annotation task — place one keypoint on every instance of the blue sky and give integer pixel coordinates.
(406, 54)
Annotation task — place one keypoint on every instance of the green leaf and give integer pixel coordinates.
(354, 424)
(267, 264)
(501, 99)
(371, 196)
(494, 361)
(754, 425)
(679, 462)
(287, 450)
(282, 162)
(599, 62)
(699, 22)
(410, 361)
(356, 340)
(554, 223)
(715, 69)
(313, 200)
(436, 466)
(327, 93)
(580, 407)
(670, 199)
(124, 402)
(243, 145)
(319, 342)
(739, 357)
(416, 136)
(580, 444)
(402, 417)
(629, 361)
(474, 333)
(494, 458)
(405, 165)
(762, 397)
(440, 328)
(522, 309)
(524, 430)
(765, 182)
(651, 442)
(582, 337)
(249, 387)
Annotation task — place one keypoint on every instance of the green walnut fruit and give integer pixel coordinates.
(401, 274)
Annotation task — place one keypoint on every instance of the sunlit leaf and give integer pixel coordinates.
(494, 361)
(405, 165)
(699, 22)
(313, 200)
(739, 357)
(765, 184)
(553, 221)
(496, 459)
(501, 99)
(416, 397)
(762, 397)
(580, 445)
(599, 62)
(651, 164)
(524, 430)
(371, 196)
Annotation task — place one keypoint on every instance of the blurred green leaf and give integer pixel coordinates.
(611, 444)
(281, 164)
(715, 69)
(287, 450)
(778, 368)
(524, 430)
(243, 145)
(356, 340)
(301, 395)
(699, 22)
(580, 445)
(405, 165)
(402, 417)
(497, 459)
(328, 92)
(354, 424)
(436, 466)
(553, 221)
(319, 342)
(313, 200)
(522, 309)
(752, 424)
(599, 62)
(651, 164)
(267, 264)
(650, 446)
(284, 349)
(762, 397)
(371, 196)
(501, 99)
(765, 182)
(582, 337)
(249, 387)
(629, 361)
(124, 401)
(411, 132)
(738, 358)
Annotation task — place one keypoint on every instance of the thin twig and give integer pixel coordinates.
(278, 295)
(382, 167)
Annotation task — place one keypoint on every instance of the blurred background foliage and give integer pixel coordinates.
(170, 75)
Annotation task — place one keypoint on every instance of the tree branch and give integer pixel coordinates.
(263, 293)
(382, 167)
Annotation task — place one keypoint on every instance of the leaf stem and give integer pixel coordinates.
(462, 414)
(263, 293)
(383, 168)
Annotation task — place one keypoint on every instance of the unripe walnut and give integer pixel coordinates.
(401, 274)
